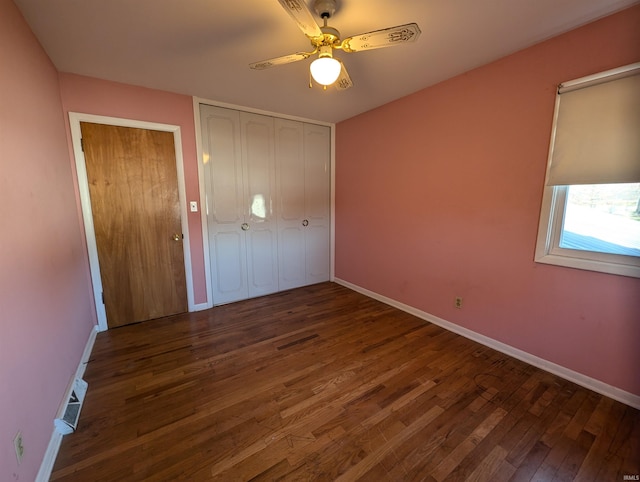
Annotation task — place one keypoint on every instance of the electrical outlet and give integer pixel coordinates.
(18, 445)
(458, 302)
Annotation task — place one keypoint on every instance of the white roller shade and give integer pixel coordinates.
(596, 135)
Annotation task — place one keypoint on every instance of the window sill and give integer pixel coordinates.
(573, 260)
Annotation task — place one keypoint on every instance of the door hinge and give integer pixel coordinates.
(82, 144)
(103, 297)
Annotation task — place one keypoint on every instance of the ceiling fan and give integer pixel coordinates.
(327, 70)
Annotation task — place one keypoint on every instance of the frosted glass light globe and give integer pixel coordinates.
(325, 70)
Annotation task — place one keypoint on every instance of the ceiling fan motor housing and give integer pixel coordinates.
(330, 37)
(325, 8)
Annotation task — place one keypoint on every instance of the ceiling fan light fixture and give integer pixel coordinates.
(325, 70)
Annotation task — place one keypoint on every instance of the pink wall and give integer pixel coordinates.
(93, 96)
(438, 195)
(46, 314)
(446, 205)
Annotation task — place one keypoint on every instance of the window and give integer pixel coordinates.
(590, 216)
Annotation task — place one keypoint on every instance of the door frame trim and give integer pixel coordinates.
(75, 118)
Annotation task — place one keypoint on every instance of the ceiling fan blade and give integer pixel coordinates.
(303, 17)
(285, 59)
(344, 81)
(387, 37)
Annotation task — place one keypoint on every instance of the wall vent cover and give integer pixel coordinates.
(69, 420)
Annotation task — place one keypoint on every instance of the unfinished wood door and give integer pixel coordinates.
(136, 214)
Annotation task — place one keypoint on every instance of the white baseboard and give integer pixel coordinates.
(202, 306)
(56, 437)
(575, 377)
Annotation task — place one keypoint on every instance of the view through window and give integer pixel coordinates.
(604, 218)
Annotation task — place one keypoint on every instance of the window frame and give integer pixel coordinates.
(548, 250)
(554, 198)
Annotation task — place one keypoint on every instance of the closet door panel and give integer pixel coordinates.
(292, 259)
(317, 254)
(259, 165)
(317, 159)
(260, 190)
(289, 150)
(290, 168)
(263, 275)
(317, 163)
(230, 279)
(222, 152)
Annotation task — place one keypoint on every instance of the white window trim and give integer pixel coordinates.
(548, 250)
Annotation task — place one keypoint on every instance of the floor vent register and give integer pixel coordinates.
(69, 420)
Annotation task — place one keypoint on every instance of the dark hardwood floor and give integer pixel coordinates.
(322, 383)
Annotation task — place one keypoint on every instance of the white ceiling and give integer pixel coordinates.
(204, 47)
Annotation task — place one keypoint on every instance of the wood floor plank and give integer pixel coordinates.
(322, 383)
(489, 466)
(463, 449)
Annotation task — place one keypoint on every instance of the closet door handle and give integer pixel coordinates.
(245, 227)
(305, 223)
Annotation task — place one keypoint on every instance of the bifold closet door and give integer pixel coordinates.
(317, 176)
(303, 167)
(260, 189)
(222, 157)
(239, 174)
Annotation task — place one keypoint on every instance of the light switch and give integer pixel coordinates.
(194, 206)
